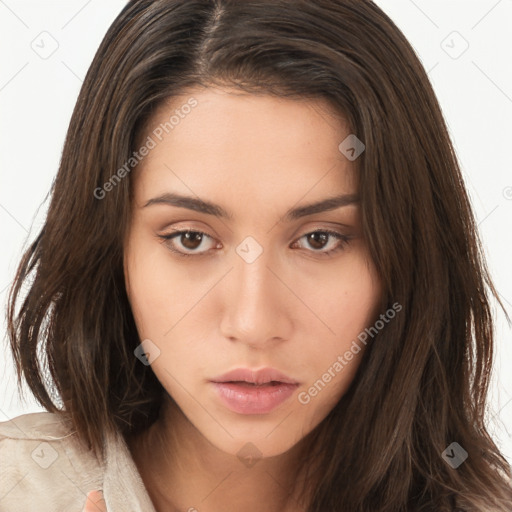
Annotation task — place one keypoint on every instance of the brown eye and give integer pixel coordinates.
(191, 239)
(188, 242)
(317, 239)
(321, 238)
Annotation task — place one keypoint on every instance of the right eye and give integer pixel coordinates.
(186, 242)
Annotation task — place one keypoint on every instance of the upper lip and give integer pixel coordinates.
(262, 376)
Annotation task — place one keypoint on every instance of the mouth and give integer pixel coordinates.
(252, 384)
(254, 392)
(264, 376)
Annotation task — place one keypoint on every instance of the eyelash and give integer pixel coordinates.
(343, 239)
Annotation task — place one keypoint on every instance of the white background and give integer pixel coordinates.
(473, 84)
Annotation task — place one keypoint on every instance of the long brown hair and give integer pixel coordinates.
(423, 381)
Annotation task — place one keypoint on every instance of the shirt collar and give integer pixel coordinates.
(122, 484)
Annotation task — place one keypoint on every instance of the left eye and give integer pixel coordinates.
(320, 239)
(191, 241)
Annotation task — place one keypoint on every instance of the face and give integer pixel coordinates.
(229, 266)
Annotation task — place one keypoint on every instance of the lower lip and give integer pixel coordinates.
(247, 399)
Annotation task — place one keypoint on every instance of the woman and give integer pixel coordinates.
(259, 286)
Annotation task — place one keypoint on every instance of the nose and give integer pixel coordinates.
(257, 305)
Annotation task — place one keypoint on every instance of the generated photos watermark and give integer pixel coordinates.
(305, 397)
(151, 142)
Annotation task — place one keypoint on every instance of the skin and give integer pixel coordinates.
(292, 308)
(95, 502)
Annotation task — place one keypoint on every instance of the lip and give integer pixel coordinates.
(262, 376)
(248, 391)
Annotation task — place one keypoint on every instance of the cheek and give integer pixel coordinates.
(158, 289)
(346, 305)
(346, 298)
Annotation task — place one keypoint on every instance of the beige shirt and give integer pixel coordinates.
(43, 468)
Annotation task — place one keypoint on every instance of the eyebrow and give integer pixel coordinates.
(202, 206)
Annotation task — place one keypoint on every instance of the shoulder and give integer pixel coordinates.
(43, 466)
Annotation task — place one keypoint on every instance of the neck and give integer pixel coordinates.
(183, 471)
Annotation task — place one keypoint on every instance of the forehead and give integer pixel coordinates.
(259, 145)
